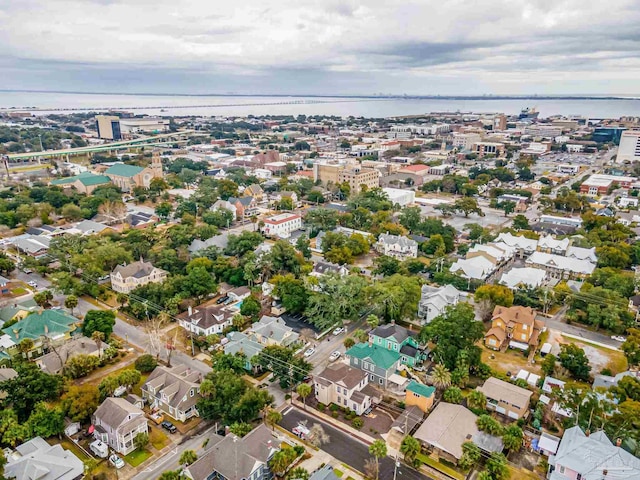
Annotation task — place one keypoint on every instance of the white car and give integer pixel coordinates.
(619, 338)
(309, 352)
(116, 461)
(338, 330)
(33, 284)
(334, 356)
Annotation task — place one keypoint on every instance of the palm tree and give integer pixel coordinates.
(71, 302)
(273, 417)
(360, 335)
(488, 424)
(441, 377)
(476, 400)
(379, 450)
(188, 457)
(484, 475)
(254, 220)
(304, 390)
(512, 438)
(348, 343)
(279, 463)
(298, 473)
(98, 336)
(373, 321)
(410, 447)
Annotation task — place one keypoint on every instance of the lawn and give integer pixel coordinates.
(136, 457)
(522, 474)
(157, 438)
(600, 357)
(509, 361)
(18, 291)
(439, 466)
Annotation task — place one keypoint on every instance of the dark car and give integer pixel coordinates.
(222, 300)
(169, 426)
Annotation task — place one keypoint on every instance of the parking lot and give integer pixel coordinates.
(298, 322)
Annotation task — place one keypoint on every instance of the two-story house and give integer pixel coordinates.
(506, 398)
(234, 458)
(420, 395)
(516, 326)
(397, 246)
(591, 456)
(225, 205)
(174, 390)
(117, 422)
(126, 278)
(241, 343)
(206, 319)
(434, 300)
(254, 190)
(344, 386)
(398, 339)
(375, 360)
(245, 207)
(273, 331)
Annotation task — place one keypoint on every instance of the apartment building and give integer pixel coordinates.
(506, 398)
(357, 177)
(282, 225)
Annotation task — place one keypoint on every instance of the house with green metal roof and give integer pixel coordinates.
(124, 170)
(56, 325)
(127, 177)
(419, 395)
(399, 339)
(85, 182)
(377, 361)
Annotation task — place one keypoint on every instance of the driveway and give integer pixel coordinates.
(348, 449)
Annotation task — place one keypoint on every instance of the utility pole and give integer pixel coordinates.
(395, 467)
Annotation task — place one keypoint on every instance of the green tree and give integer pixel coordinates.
(250, 307)
(286, 367)
(348, 343)
(25, 346)
(304, 390)
(188, 457)
(495, 294)
(291, 291)
(298, 473)
(360, 335)
(385, 265)
(170, 475)
(140, 441)
(395, 298)
(441, 377)
(373, 321)
(575, 361)
(273, 417)
(146, 363)
(467, 205)
(455, 333)
(280, 462)
(548, 365)
(71, 302)
(488, 424)
(43, 298)
(379, 450)
(81, 365)
(476, 400)
(336, 299)
(512, 438)
(80, 402)
(46, 422)
(302, 244)
(471, 455)
(410, 447)
(631, 347)
(240, 429)
(100, 320)
(164, 209)
(452, 395)
(520, 222)
(508, 207)
(497, 467)
(29, 387)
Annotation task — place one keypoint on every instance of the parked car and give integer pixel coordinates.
(309, 352)
(222, 300)
(157, 418)
(334, 356)
(338, 330)
(33, 284)
(116, 461)
(121, 390)
(170, 427)
(619, 338)
(301, 431)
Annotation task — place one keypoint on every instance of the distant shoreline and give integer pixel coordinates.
(394, 97)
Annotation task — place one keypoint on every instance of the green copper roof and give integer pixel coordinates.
(123, 170)
(95, 180)
(33, 325)
(87, 178)
(382, 357)
(422, 390)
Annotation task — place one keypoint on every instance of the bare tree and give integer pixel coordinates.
(153, 329)
(317, 436)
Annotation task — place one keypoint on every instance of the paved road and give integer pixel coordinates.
(558, 323)
(347, 449)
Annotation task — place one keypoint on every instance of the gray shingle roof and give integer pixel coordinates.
(37, 460)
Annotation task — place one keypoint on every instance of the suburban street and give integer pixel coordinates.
(348, 449)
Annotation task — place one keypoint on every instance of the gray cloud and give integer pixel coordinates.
(310, 46)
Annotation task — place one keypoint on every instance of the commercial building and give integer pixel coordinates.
(108, 127)
(488, 148)
(465, 141)
(132, 126)
(357, 177)
(629, 149)
(282, 225)
(599, 184)
(547, 131)
(400, 196)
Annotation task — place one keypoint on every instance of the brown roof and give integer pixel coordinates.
(497, 332)
(525, 315)
(500, 390)
(350, 377)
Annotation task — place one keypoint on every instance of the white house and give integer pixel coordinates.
(117, 422)
(342, 385)
(126, 278)
(434, 300)
(282, 225)
(397, 246)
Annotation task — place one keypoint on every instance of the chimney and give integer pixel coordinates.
(517, 313)
(618, 442)
(587, 432)
(190, 310)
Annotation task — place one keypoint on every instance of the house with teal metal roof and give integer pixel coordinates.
(127, 177)
(55, 325)
(376, 360)
(401, 340)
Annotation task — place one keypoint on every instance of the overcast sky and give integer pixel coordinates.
(322, 46)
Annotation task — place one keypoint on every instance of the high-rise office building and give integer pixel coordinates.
(108, 127)
(629, 149)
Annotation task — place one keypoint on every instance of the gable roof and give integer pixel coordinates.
(514, 315)
(207, 315)
(420, 389)
(274, 328)
(564, 263)
(241, 343)
(448, 427)
(393, 331)
(500, 390)
(399, 240)
(139, 269)
(114, 412)
(176, 383)
(123, 170)
(381, 357)
(86, 178)
(342, 373)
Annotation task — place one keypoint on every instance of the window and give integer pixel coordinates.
(345, 402)
(524, 336)
(380, 380)
(561, 469)
(355, 361)
(524, 327)
(371, 377)
(339, 398)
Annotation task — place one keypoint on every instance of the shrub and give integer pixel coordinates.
(357, 423)
(146, 363)
(81, 365)
(335, 414)
(322, 407)
(333, 407)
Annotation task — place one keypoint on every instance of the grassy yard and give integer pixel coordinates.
(601, 357)
(136, 457)
(157, 438)
(522, 474)
(439, 466)
(509, 361)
